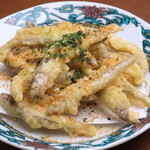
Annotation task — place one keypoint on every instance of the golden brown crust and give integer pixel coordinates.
(36, 117)
(94, 61)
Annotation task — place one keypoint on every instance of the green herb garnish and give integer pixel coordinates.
(77, 75)
(60, 48)
(84, 119)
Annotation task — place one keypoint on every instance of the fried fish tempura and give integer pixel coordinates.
(36, 117)
(46, 76)
(85, 64)
(43, 35)
(58, 66)
(116, 100)
(71, 45)
(129, 88)
(109, 57)
(20, 83)
(119, 96)
(22, 57)
(69, 99)
(124, 46)
(134, 74)
(5, 49)
(38, 36)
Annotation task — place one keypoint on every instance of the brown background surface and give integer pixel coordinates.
(140, 8)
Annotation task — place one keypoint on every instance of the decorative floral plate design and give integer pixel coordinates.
(87, 12)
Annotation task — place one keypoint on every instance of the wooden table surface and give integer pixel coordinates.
(140, 8)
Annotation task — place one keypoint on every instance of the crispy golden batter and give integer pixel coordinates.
(38, 36)
(58, 66)
(22, 57)
(71, 45)
(134, 74)
(116, 100)
(36, 117)
(44, 77)
(5, 49)
(119, 96)
(124, 46)
(129, 88)
(20, 83)
(109, 57)
(43, 35)
(69, 99)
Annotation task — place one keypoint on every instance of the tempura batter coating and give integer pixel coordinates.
(119, 96)
(22, 57)
(129, 88)
(116, 100)
(63, 51)
(35, 115)
(20, 83)
(46, 76)
(38, 36)
(69, 99)
(109, 57)
(125, 46)
(58, 66)
(44, 35)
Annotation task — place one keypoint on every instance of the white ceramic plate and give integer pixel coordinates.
(18, 134)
